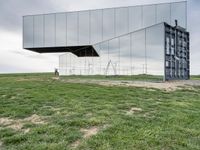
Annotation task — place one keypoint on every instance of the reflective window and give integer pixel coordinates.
(108, 24)
(167, 45)
(149, 15)
(155, 50)
(163, 13)
(131, 21)
(28, 31)
(138, 52)
(125, 55)
(97, 60)
(49, 32)
(167, 64)
(121, 21)
(136, 16)
(38, 31)
(61, 29)
(113, 53)
(96, 26)
(104, 56)
(72, 28)
(84, 28)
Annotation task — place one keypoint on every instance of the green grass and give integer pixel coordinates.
(168, 120)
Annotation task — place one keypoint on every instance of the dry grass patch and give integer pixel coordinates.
(76, 144)
(166, 86)
(133, 110)
(35, 119)
(1, 143)
(18, 124)
(3, 96)
(89, 132)
(29, 79)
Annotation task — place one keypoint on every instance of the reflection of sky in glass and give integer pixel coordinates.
(91, 26)
(96, 26)
(38, 31)
(72, 26)
(61, 29)
(28, 31)
(130, 54)
(49, 32)
(133, 52)
(84, 28)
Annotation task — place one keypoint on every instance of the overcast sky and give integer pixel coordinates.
(14, 59)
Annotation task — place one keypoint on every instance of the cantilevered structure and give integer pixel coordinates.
(129, 40)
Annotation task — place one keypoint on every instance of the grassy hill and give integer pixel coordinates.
(38, 111)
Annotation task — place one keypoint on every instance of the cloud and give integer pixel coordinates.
(13, 10)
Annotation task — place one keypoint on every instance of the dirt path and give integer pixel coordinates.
(168, 86)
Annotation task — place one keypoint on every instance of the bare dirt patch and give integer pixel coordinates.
(29, 79)
(35, 119)
(167, 86)
(5, 121)
(55, 78)
(76, 144)
(89, 132)
(18, 124)
(1, 143)
(133, 110)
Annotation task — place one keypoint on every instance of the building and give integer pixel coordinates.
(115, 41)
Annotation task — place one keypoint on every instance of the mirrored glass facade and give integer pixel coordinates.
(92, 26)
(112, 41)
(138, 52)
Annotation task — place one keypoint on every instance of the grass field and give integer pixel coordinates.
(39, 112)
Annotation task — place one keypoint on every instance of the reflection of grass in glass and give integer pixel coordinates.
(123, 117)
(195, 77)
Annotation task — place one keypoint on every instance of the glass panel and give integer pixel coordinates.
(28, 31)
(149, 15)
(113, 57)
(96, 26)
(49, 35)
(84, 30)
(72, 28)
(179, 13)
(131, 19)
(74, 63)
(97, 63)
(38, 31)
(63, 64)
(121, 21)
(83, 66)
(138, 52)
(125, 55)
(61, 29)
(104, 56)
(155, 50)
(108, 24)
(163, 13)
(135, 16)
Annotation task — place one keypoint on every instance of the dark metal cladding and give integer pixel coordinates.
(177, 53)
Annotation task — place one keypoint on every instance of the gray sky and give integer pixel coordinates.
(14, 59)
